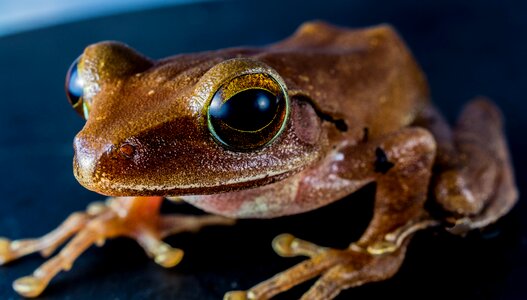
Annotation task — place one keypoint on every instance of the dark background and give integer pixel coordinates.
(466, 49)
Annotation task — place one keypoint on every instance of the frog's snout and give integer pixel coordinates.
(85, 160)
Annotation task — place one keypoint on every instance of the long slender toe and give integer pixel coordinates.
(29, 286)
(287, 245)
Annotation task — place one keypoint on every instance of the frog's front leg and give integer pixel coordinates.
(401, 165)
(134, 217)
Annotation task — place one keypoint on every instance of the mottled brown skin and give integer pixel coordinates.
(359, 112)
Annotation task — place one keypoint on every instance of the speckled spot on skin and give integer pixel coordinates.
(303, 78)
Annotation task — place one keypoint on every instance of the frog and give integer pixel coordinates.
(267, 132)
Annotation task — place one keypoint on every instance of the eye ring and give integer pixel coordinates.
(248, 112)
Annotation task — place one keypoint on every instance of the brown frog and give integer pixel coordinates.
(268, 132)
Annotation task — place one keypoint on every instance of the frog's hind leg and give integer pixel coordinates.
(134, 217)
(475, 182)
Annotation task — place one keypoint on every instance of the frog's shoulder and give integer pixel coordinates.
(319, 34)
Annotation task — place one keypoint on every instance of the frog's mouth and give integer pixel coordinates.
(172, 191)
(102, 171)
(102, 183)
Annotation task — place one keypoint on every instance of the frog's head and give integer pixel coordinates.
(191, 124)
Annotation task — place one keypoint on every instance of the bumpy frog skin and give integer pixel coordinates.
(347, 108)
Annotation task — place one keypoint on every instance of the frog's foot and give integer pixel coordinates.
(480, 187)
(136, 217)
(338, 269)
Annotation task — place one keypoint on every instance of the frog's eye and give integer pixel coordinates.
(248, 112)
(75, 89)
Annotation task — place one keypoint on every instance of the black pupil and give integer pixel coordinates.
(249, 110)
(74, 84)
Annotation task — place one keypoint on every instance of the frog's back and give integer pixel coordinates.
(366, 77)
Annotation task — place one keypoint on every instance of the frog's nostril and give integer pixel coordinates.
(126, 150)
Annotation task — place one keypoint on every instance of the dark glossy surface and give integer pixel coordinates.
(248, 120)
(466, 49)
(259, 106)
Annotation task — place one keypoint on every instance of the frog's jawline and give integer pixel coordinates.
(115, 190)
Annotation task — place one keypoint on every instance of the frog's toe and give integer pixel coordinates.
(47, 244)
(287, 245)
(6, 253)
(169, 258)
(332, 282)
(29, 286)
(162, 253)
(236, 295)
